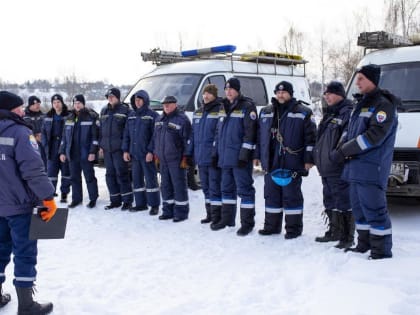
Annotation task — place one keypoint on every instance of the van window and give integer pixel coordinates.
(254, 88)
(401, 79)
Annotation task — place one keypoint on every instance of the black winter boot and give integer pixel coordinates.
(272, 223)
(216, 214)
(63, 198)
(27, 306)
(226, 218)
(347, 235)
(4, 297)
(247, 221)
(207, 219)
(333, 233)
(363, 242)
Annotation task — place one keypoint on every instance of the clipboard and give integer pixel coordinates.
(54, 229)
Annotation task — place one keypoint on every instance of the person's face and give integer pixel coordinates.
(208, 97)
(57, 105)
(169, 107)
(231, 94)
(364, 84)
(332, 99)
(283, 97)
(19, 111)
(36, 107)
(78, 106)
(113, 100)
(139, 102)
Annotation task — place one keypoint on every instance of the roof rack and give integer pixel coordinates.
(381, 39)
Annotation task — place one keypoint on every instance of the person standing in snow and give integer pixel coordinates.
(234, 147)
(24, 185)
(138, 147)
(204, 125)
(287, 134)
(367, 149)
(112, 123)
(335, 190)
(172, 137)
(79, 147)
(52, 131)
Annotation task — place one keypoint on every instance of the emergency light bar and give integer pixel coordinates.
(208, 51)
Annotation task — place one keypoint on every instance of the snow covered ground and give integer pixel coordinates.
(115, 262)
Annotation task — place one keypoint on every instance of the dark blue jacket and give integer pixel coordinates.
(291, 123)
(23, 180)
(172, 137)
(52, 132)
(35, 119)
(112, 124)
(330, 130)
(138, 133)
(205, 120)
(369, 142)
(81, 131)
(236, 132)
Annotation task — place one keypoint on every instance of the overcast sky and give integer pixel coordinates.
(102, 40)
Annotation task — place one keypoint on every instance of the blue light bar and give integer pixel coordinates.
(209, 51)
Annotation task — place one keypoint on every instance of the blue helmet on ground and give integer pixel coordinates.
(281, 176)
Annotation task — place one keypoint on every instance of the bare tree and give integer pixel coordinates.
(402, 17)
(291, 42)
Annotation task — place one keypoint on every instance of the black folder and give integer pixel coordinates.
(53, 229)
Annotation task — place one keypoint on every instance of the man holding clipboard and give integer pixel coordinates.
(23, 186)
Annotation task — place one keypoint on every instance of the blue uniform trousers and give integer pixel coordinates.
(55, 166)
(336, 194)
(76, 167)
(287, 199)
(145, 194)
(210, 179)
(14, 232)
(174, 191)
(117, 178)
(370, 213)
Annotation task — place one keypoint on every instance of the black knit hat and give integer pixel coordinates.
(57, 97)
(337, 88)
(372, 72)
(169, 99)
(33, 100)
(79, 98)
(113, 91)
(8, 100)
(233, 83)
(284, 86)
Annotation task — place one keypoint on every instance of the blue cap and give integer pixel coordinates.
(281, 176)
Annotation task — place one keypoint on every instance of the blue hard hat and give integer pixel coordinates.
(281, 176)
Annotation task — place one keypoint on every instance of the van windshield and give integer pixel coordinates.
(401, 79)
(182, 86)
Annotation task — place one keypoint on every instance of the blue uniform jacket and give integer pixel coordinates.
(172, 137)
(23, 180)
(204, 126)
(50, 142)
(138, 133)
(112, 124)
(236, 132)
(369, 142)
(87, 120)
(295, 128)
(34, 119)
(330, 130)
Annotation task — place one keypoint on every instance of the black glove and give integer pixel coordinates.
(242, 163)
(214, 160)
(337, 156)
(190, 161)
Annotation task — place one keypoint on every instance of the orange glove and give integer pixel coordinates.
(184, 163)
(52, 208)
(157, 162)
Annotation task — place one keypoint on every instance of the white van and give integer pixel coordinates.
(185, 74)
(400, 74)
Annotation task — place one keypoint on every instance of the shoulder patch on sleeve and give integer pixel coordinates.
(33, 142)
(253, 115)
(381, 116)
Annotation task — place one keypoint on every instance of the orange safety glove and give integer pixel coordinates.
(52, 208)
(157, 162)
(184, 162)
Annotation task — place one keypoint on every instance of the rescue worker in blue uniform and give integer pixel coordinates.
(235, 145)
(52, 131)
(138, 147)
(35, 118)
(80, 146)
(173, 149)
(287, 134)
(335, 190)
(112, 124)
(368, 150)
(204, 125)
(24, 185)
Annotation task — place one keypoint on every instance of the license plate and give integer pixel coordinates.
(400, 171)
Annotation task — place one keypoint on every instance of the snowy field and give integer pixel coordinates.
(115, 262)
